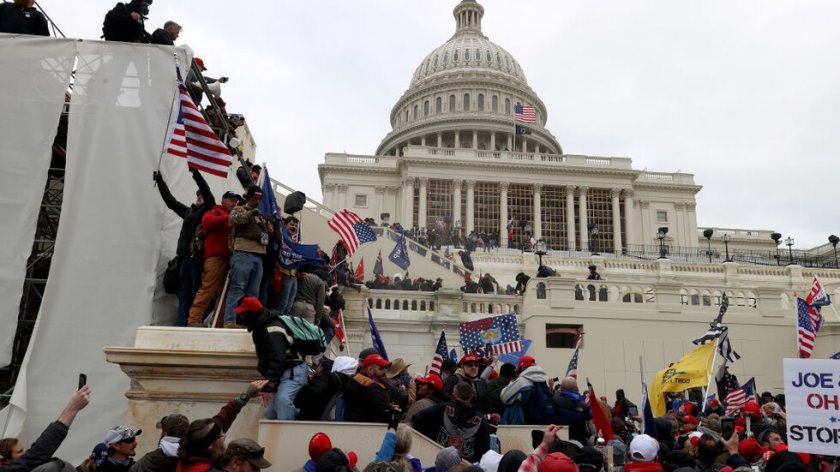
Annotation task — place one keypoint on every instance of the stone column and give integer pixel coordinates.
(421, 212)
(510, 143)
(470, 223)
(628, 217)
(456, 201)
(457, 139)
(329, 195)
(537, 148)
(524, 144)
(647, 234)
(493, 141)
(407, 218)
(584, 219)
(342, 196)
(440, 140)
(537, 211)
(423, 140)
(691, 222)
(616, 214)
(380, 200)
(503, 214)
(570, 218)
(475, 140)
(678, 225)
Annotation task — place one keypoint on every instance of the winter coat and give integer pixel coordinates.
(470, 287)
(21, 20)
(108, 466)
(191, 215)
(573, 412)
(642, 467)
(223, 418)
(216, 232)
(249, 225)
(455, 424)
(273, 347)
(526, 378)
(313, 398)
(160, 36)
(494, 393)
(41, 450)
(366, 400)
(481, 401)
(311, 289)
(155, 461)
(120, 26)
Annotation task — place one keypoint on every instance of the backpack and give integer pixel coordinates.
(172, 276)
(538, 404)
(307, 338)
(108, 32)
(197, 244)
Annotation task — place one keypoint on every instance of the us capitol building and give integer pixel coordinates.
(454, 155)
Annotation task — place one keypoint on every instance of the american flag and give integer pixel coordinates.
(441, 353)
(737, 398)
(571, 371)
(716, 327)
(816, 299)
(806, 335)
(725, 348)
(192, 138)
(524, 114)
(351, 229)
(500, 333)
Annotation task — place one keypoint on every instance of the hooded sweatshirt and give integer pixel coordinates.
(527, 378)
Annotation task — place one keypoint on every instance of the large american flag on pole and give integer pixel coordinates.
(351, 229)
(191, 137)
(524, 114)
(571, 371)
(805, 333)
(441, 353)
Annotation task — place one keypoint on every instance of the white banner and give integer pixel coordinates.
(812, 399)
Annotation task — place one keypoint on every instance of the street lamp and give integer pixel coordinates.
(833, 239)
(789, 243)
(541, 249)
(726, 239)
(593, 234)
(776, 237)
(660, 235)
(707, 233)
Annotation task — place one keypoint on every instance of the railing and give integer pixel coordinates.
(565, 159)
(389, 304)
(424, 251)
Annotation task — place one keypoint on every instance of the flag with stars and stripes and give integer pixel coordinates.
(725, 348)
(192, 138)
(736, 399)
(716, 327)
(816, 299)
(351, 229)
(441, 353)
(499, 333)
(524, 114)
(571, 371)
(806, 334)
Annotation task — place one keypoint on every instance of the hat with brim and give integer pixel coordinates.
(375, 359)
(249, 450)
(396, 368)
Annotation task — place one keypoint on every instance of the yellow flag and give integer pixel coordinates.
(689, 372)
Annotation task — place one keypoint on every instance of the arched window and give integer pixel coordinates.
(507, 106)
(466, 102)
(499, 59)
(477, 55)
(495, 103)
(481, 102)
(434, 63)
(415, 111)
(467, 55)
(438, 105)
(455, 56)
(446, 58)
(452, 103)
(406, 116)
(426, 108)
(489, 59)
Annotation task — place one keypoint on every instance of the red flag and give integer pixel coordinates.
(339, 330)
(599, 417)
(360, 271)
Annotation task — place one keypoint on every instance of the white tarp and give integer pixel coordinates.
(114, 239)
(812, 402)
(35, 72)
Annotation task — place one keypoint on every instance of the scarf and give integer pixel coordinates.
(169, 445)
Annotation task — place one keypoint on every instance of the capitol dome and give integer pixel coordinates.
(463, 94)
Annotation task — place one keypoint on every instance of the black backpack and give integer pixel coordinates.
(107, 26)
(538, 404)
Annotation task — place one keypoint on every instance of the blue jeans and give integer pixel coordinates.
(189, 271)
(282, 405)
(287, 294)
(245, 275)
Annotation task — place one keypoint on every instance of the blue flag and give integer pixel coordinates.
(648, 424)
(375, 338)
(399, 255)
(836, 356)
(268, 204)
(453, 354)
(513, 357)
(292, 255)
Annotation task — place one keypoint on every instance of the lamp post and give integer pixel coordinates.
(593, 235)
(457, 234)
(707, 233)
(541, 249)
(776, 237)
(833, 239)
(789, 244)
(726, 239)
(660, 235)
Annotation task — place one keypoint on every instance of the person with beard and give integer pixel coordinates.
(366, 398)
(457, 423)
(124, 22)
(428, 395)
(469, 373)
(203, 443)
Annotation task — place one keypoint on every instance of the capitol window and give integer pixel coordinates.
(415, 111)
(489, 58)
(661, 216)
(452, 103)
(507, 106)
(481, 102)
(361, 200)
(426, 108)
(466, 102)
(495, 103)
(466, 55)
(455, 56)
(562, 336)
(499, 58)
(438, 105)
(434, 64)
(478, 55)
(445, 57)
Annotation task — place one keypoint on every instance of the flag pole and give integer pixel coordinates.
(709, 376)
(175, 101)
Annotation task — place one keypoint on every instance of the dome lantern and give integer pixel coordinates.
(468, 16)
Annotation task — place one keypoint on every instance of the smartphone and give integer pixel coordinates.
(82, 380)
(727, 427)
(634, 411)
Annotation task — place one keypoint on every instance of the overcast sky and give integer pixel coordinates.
(745, 95)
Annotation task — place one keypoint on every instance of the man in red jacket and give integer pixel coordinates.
(216, 257)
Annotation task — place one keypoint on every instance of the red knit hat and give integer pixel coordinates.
(318, 445)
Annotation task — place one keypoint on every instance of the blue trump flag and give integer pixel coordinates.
(399, 255)
(292, 255)
(648, 423)
(268, 204)
(375, 338)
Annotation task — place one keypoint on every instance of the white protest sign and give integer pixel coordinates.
(812, 399)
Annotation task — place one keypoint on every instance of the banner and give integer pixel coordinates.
(689, 372)
(812, 399)
(496, 335)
